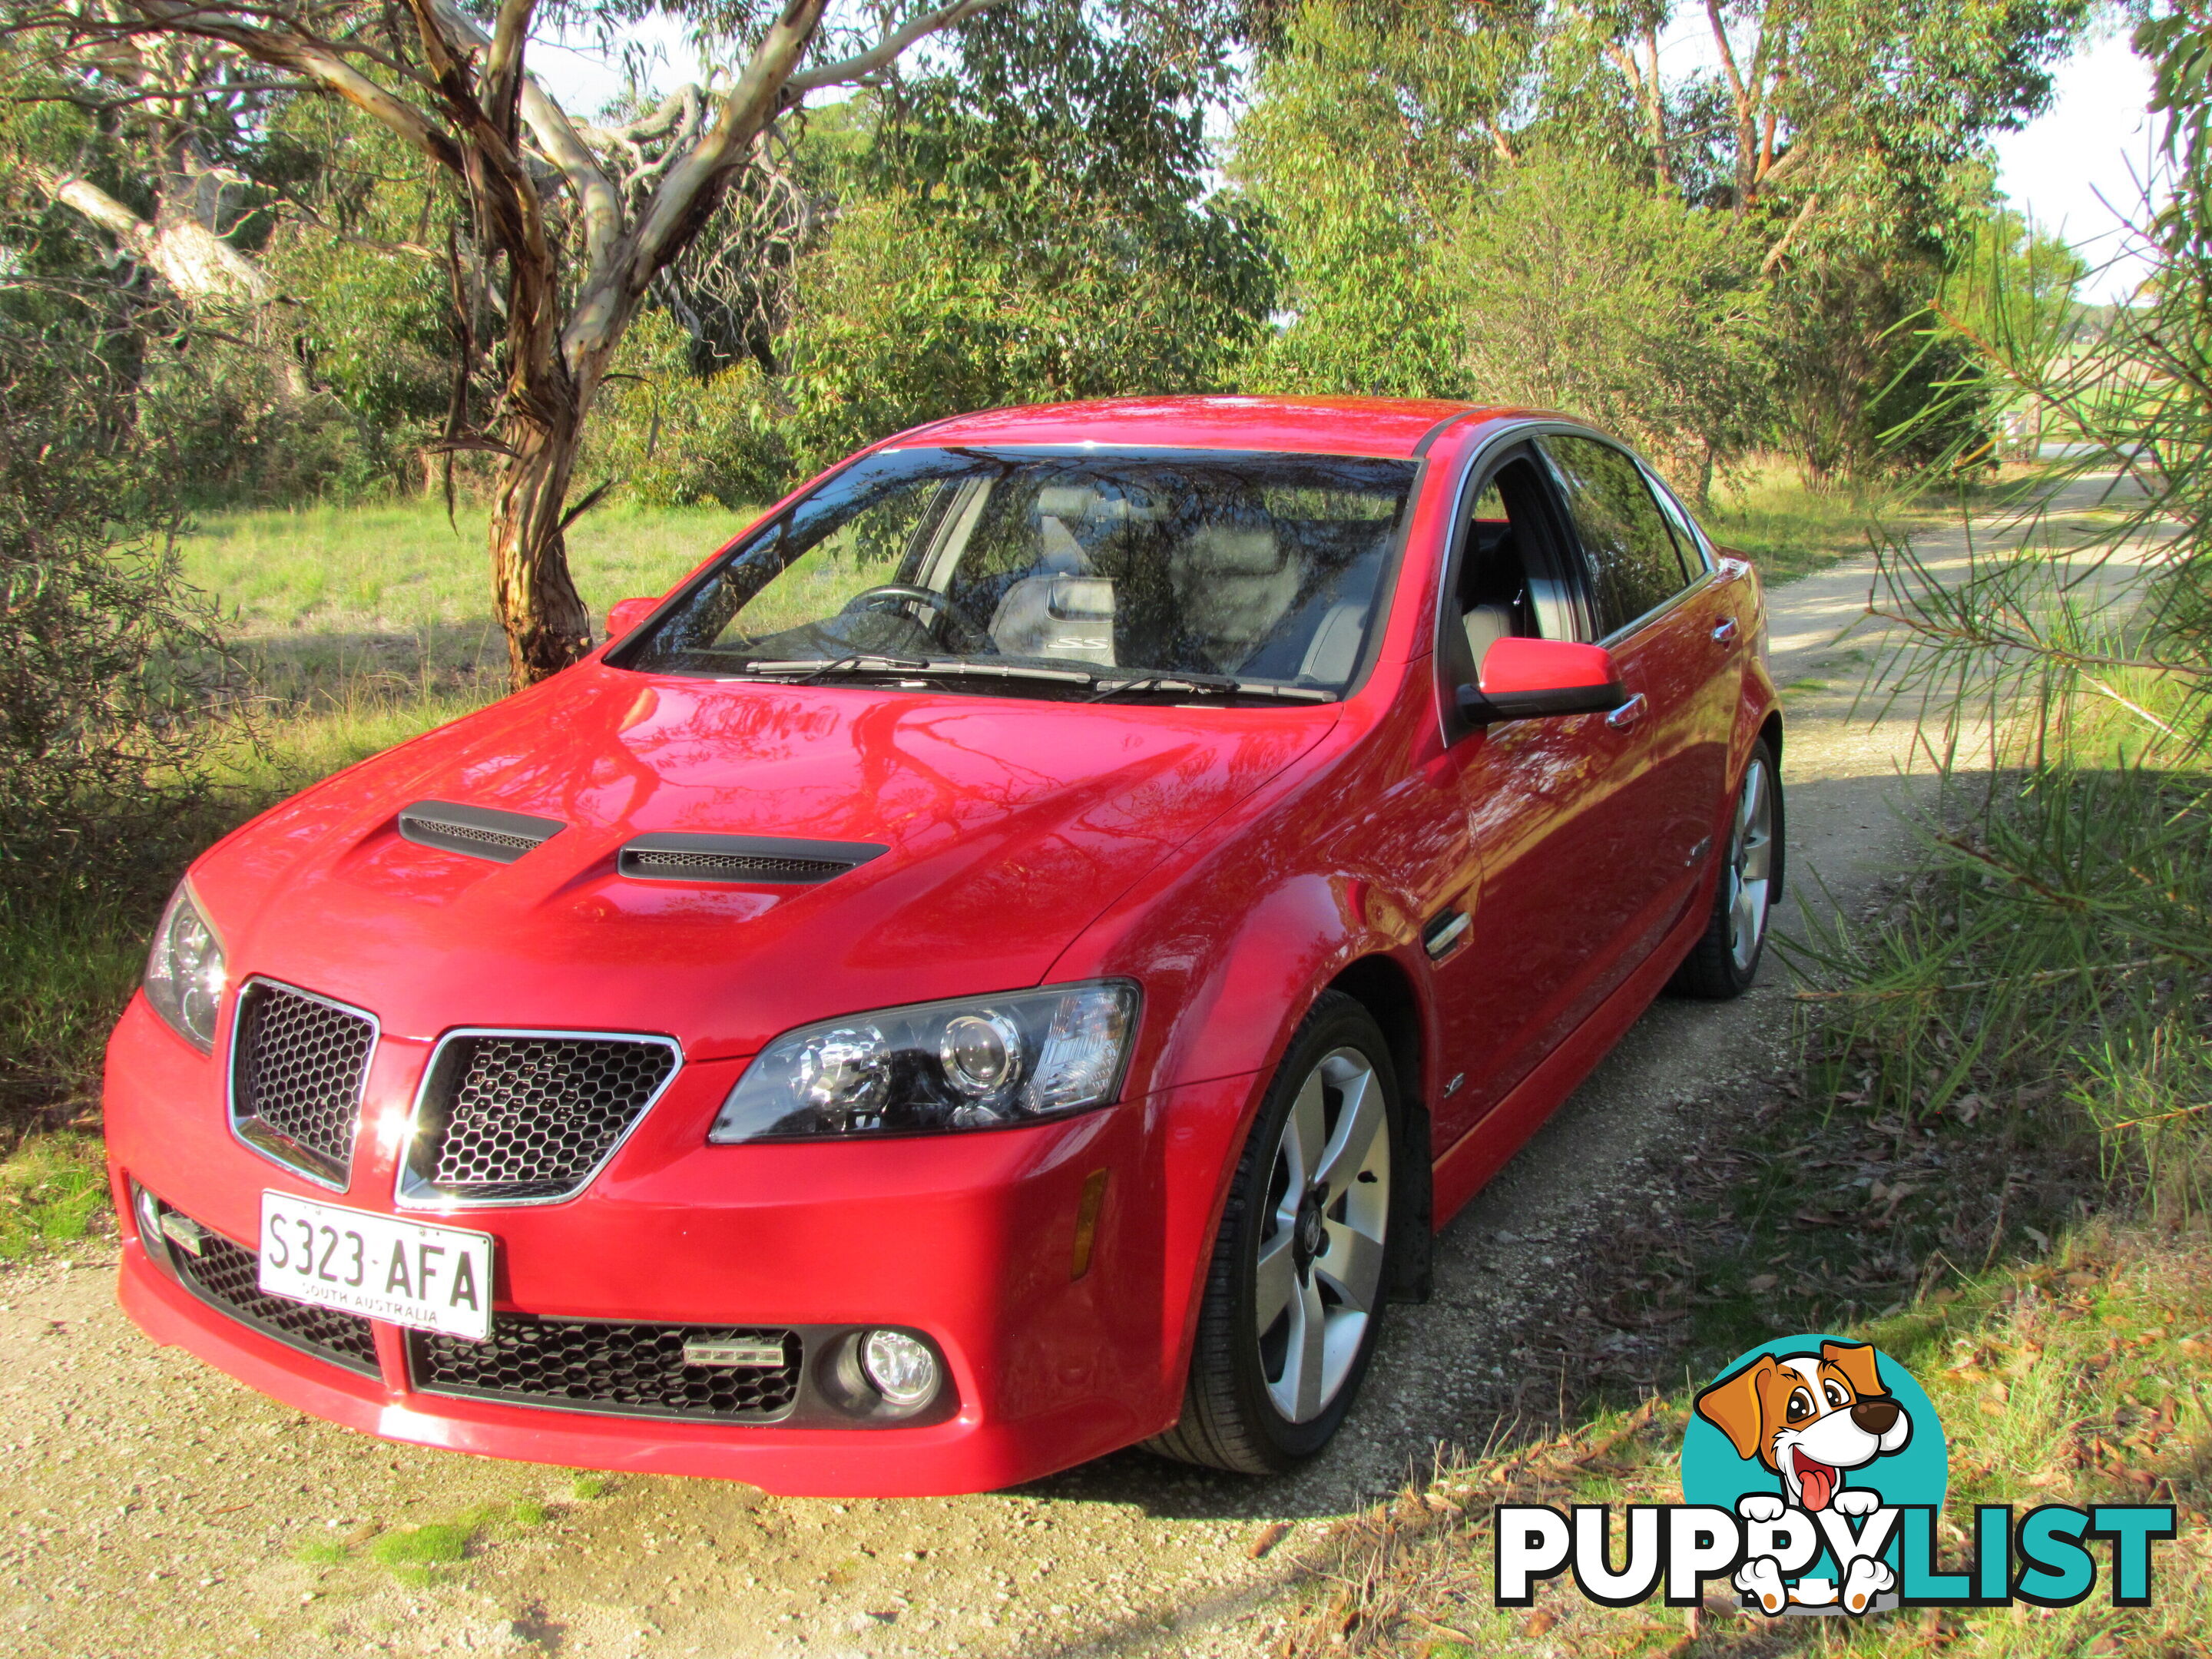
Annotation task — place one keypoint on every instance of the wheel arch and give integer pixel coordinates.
(1380, 984)
(1769, 730)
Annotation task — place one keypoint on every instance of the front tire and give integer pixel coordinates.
(1294, 1295)
(1724, 961)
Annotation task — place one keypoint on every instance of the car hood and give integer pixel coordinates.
(1009, 825)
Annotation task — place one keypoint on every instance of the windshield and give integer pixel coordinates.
(1055, 575)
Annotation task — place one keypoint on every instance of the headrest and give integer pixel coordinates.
(1221, 549)
(1110, 504)
(1066, 500)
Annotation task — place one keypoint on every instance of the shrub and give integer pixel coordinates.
(108, 660)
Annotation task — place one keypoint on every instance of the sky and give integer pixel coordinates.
(2074, 165)
(2067, 169)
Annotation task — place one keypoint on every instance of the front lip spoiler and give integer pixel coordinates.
(961, 1455)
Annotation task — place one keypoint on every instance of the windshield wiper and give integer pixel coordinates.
(1220, 684)
(801, 671)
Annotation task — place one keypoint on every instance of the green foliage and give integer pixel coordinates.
(1026, 225)
(1582, 289)
(667, 435)
(1366, 136)
(104, 650)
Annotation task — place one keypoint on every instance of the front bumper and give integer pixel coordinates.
(969, 1239)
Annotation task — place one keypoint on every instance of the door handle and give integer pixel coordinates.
(1725, 632)
(1444, 932)
(1628, 714)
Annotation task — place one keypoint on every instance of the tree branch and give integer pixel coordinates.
(885, 52)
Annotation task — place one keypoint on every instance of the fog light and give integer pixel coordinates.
(902, 1367)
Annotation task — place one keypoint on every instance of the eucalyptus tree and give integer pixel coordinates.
(572, 220)
(1840, 143)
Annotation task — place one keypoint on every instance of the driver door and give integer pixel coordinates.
(1523, 943)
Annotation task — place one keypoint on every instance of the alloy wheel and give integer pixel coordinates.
(1750, 858)
(1320, 1262)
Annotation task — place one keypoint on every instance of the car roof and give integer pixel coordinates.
(1328, 426)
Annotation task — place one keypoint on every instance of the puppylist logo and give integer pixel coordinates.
(1813, 1471)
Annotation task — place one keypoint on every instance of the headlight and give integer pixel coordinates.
(185, 971)
(977, 1063)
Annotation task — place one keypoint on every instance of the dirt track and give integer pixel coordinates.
(152, 1507)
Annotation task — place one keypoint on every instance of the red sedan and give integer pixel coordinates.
(1014, 957)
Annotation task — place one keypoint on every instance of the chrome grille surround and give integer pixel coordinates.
(616, 1368)
(507, 1116)
(299, 1063)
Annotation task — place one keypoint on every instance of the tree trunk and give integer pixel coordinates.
(547, 625)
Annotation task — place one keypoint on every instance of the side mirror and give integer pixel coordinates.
(1528, 679)
(626, 614)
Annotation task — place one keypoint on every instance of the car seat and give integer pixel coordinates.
(1233, 584)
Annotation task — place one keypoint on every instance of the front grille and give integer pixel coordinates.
(627, 1370)
(226, 1277)
(731, 867)
(296, 1070)
(508, 1117)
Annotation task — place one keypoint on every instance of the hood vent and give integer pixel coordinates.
(748, 859)
(477, 831)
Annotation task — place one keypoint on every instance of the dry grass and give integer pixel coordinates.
(2069, 1380)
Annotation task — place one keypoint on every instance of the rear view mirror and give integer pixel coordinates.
(1526, 679)
(626, 614)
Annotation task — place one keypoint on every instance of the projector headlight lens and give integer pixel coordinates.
(185, 971)
(975, 1063)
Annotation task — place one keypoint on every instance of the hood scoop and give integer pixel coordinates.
(480, 832)
(751, 859)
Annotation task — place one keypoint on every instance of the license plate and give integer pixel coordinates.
(381, 1266)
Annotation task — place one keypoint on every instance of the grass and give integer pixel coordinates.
(1765, 513)
(2068, 1381)
(422, 1555)
(401, 566)
(53, 1191)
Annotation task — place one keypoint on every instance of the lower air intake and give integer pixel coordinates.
(228, 1278)
(624, 1369)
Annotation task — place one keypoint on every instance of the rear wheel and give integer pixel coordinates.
(1725, 959)
(1294, 1295)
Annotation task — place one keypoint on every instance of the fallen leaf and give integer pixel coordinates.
(1540, 1621)
(1761, 1282)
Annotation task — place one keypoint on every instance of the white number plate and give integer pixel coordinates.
(381, 1266)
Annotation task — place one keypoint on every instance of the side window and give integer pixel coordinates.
(1686, 534)
(1507, 579)
(1634, 565)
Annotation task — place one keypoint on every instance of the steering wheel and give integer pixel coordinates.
(977, 638)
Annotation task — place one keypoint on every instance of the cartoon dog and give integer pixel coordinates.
(1810, 1418)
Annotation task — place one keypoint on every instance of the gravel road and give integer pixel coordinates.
(149, 1506)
